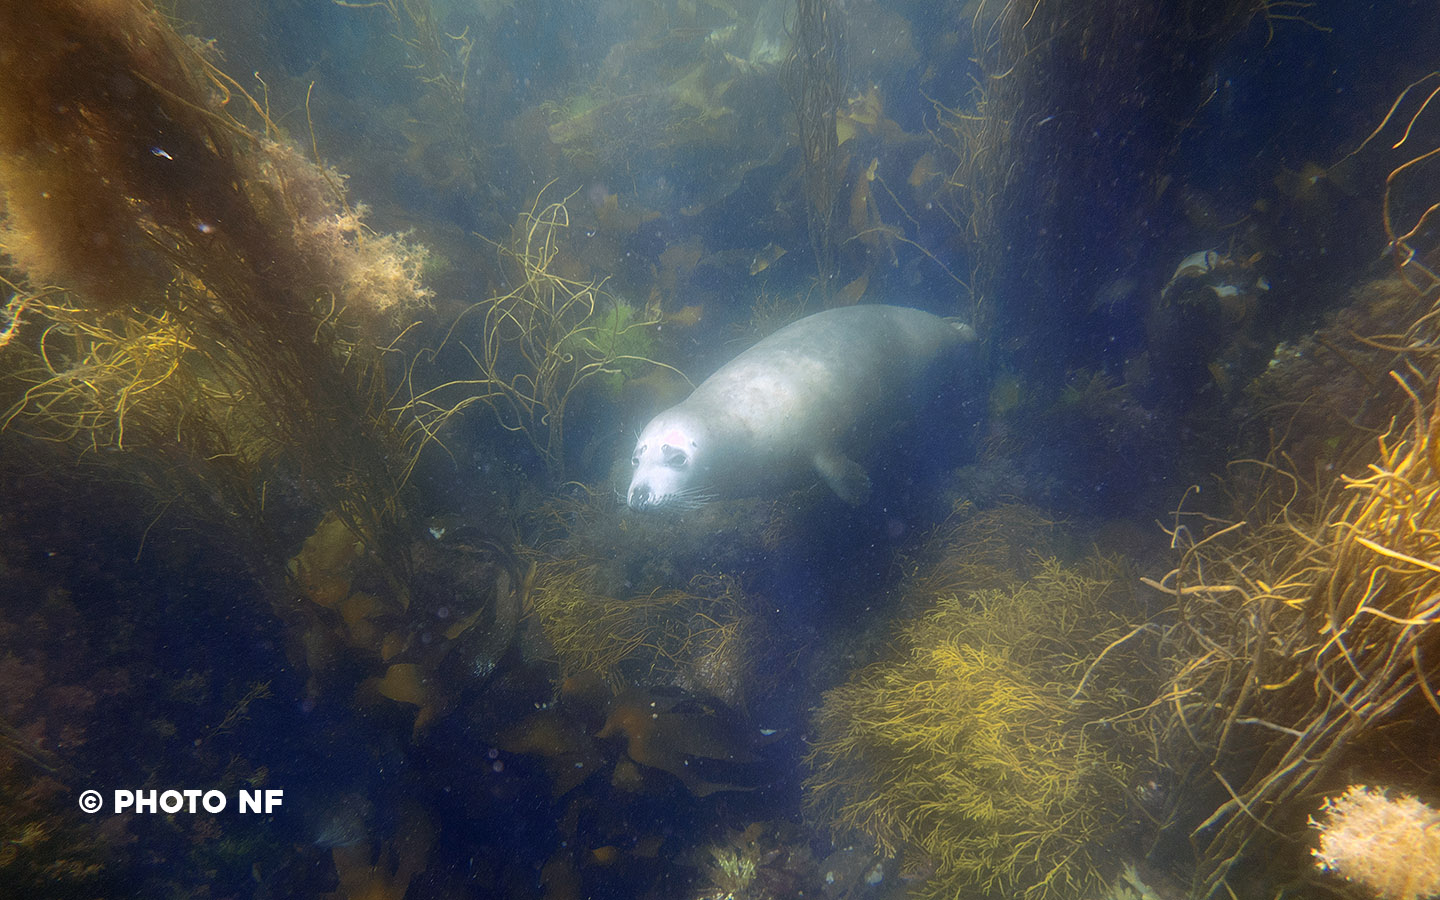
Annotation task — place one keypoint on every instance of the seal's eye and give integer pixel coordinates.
(674, 457)
(634, 462)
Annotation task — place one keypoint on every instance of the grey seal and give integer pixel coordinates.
(800, 401)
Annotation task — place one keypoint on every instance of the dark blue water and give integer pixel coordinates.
(158, 630)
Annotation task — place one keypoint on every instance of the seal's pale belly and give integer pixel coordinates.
(801, 400)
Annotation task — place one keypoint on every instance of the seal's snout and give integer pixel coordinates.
(641, 498)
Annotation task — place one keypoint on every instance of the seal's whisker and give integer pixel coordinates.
(692, 498)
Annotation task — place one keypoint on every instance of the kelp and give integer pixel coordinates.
(538, 344)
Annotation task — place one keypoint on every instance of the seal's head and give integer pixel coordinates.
(670, 469)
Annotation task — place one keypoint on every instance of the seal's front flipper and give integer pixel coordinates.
(845, 476)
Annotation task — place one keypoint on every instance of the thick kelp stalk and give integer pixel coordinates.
(185, 285)
(199, 318)
(1065, 102)
(815, 79)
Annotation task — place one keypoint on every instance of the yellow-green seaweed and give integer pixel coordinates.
(990, 750)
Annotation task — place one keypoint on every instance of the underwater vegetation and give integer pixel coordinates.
(815, 79)
(429, 50)
(418, 643)
(124, 379)
(999, 150)
(698, 637)
(599, 127)
(764, 860)
(199, 320)
(384, 870)
(621, 768)
(540, 343)
(1338, 372)
(976, 549)
(1053, 107)
(1406, 204)
(1305, 628)
(98, 690)
(702, 743)
(198, 317)
(1310, 639)
(189, 289)
(656, 674)
(1328, 376)
(991, 754)
(46, 717)
(440, 60)
(677, 79)
(1391, 845)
